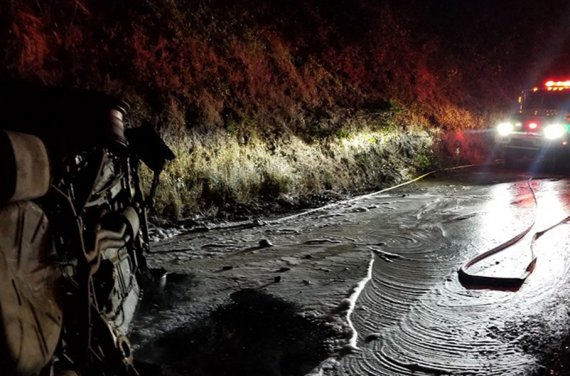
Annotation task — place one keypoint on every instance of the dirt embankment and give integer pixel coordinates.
(219, 178)
(269, 101)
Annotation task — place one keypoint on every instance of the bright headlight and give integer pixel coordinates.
(505, 128)
(554, 131)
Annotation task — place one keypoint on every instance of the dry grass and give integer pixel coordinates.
(260, 98)
(214, 172)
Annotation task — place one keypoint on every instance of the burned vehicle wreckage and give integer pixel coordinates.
(73, 230)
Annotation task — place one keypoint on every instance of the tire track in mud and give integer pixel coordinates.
(415, 318)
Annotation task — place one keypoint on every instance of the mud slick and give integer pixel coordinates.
(231, 307)
(254, 335)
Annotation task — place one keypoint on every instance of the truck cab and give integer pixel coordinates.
(541, 126)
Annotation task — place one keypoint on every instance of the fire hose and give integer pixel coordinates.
(477, 280)
(465, 276)
(468, 278)
(474, 279)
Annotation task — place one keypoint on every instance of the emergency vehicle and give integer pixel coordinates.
(541, 126)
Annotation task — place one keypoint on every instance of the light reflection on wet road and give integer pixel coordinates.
(426, 322)
(414, 317)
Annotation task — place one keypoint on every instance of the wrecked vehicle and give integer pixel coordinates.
(73, 231)
(541, 127)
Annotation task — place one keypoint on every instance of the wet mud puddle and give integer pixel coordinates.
(287, 298)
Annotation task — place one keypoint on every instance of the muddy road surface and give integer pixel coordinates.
(370, 286)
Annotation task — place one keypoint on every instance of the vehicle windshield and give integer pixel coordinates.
(547, 100)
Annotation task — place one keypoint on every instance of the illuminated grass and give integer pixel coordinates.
(269, 100)
(210, 173)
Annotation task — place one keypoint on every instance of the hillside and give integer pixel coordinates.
(271, 101)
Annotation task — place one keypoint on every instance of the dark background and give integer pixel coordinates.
(210, 64)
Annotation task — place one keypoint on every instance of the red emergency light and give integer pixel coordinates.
(532, 125)
(557, 85)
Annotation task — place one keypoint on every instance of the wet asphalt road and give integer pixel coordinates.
(413, 316)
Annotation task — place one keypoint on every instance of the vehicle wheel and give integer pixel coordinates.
(31, 316)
